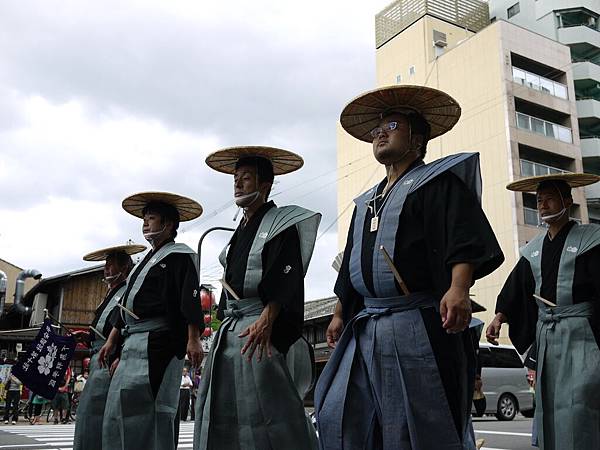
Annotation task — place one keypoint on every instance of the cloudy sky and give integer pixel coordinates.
(99, 100)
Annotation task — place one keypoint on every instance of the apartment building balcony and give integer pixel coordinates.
(592, 193)
(544, 128)
(577, 34)
(586, 71)
(588, 107)
(539, 83)
(590, 147)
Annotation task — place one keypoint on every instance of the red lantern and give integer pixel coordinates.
(206, 299)
(207, 332)
(207, 319)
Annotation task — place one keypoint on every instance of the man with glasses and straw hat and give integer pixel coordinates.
(402, 373)
(248, 397)
(90, 412)
(160, 318)
(551, 300)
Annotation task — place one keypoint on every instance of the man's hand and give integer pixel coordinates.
(108, 348)
(113, 367)
(334, 331)
(492, 333)
(194, 347)
(104, 352)
(455, 309)
(259, 333)
(336, 326)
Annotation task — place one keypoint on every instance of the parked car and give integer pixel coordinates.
(505, 384)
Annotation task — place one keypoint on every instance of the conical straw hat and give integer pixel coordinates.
(530, 184)
(283, 161)
(103, 253)
(364, 113)
(188, 209)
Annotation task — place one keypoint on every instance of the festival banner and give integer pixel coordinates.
(43, 367)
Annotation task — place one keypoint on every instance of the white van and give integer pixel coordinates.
(504, 379)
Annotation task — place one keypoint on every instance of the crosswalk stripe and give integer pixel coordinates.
(60, 437)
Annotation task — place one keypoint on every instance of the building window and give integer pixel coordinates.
(530, 214)
(411, 71)
(539, 83)
(398, 79)
(513, 10)
(531, 169)
(548, 129)
(577, 18)
(320, 336)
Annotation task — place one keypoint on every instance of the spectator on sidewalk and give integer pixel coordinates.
(60, 403)
(184, 395)
(13, 388)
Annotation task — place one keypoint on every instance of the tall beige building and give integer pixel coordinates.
(516, 91)
(575, 23)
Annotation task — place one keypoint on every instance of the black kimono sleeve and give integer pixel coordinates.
(352, 302)
(456, 231)
(283, 283)
(531, 357)
(189, 294)
(516, 302)
(115, 318)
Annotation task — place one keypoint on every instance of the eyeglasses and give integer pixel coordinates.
(390, 126)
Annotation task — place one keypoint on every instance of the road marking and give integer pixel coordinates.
(54, 437)
(505, 433)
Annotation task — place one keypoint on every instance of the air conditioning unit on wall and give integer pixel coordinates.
(39, 304)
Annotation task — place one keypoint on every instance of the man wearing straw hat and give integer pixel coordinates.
(551, 299)
(249, 398)
(90, 412)
(402, 373)
(160, 318)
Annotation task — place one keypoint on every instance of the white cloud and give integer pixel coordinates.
(100, 100)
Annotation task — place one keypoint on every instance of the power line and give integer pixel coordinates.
(347, 206)
(231, 202)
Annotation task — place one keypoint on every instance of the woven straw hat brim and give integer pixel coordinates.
(364, 113)
(102, 254)
(575, 180)
(283, 161)
(188, 209)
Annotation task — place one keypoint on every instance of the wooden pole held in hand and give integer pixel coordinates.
(392, 267)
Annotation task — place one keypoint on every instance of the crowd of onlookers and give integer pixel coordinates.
(18, 400)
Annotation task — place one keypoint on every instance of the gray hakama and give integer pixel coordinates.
(567, 410)
(244, 405)
(382, 387)
(90, 412)
(134, 418)
(260, 406)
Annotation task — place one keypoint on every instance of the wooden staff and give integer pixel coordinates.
(229, 289)
(543, 300)
(131, 313)
(397, 276)
(97, 332)
(54, 319)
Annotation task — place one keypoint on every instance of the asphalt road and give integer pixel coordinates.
(515, 435)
